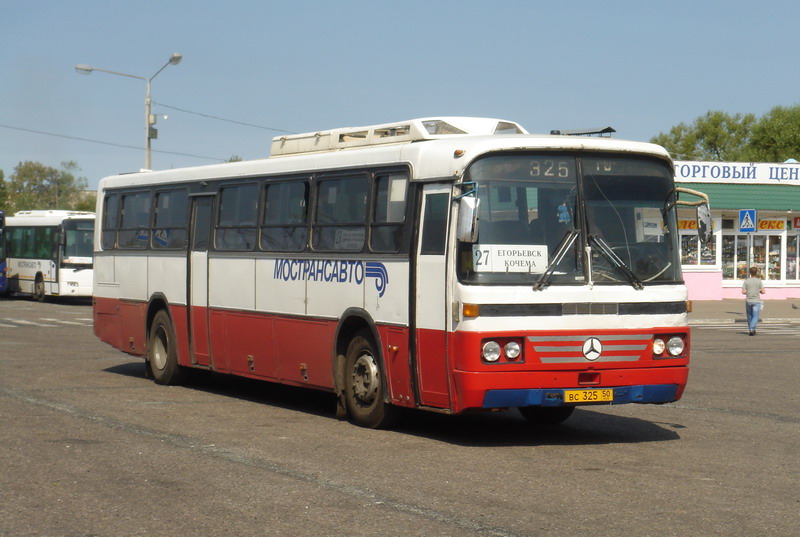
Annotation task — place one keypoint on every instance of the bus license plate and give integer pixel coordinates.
(588, 396)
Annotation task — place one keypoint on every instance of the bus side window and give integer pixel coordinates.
(285, 224)
(134, 231)
(110, 219)
(238, 213)
(388, 224)
(434, 225)
(171, 216)
(45, 240)
(341, 215)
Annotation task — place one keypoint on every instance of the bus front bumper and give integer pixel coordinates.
(658, 393)
(547, 388)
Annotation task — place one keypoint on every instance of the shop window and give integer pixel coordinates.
(773, 257)
(739, 252)
(693, 253)
(689, 250)
(734, 257)
(793, 257)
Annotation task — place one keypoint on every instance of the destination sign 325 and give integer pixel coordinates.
(509, 258)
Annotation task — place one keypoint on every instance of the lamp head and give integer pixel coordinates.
(176, 58)
(83, 69)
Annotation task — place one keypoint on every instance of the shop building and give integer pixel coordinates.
(756, 217)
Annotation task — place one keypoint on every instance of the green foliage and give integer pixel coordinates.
(33, 185)
(3, 191)
(776, 136)
(717, 136)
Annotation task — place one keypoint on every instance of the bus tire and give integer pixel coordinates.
(38, 289)
(364, 387)
(162, 351)
(546, 415)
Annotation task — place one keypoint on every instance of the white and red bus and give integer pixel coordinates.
(49, 253)
(444, 264)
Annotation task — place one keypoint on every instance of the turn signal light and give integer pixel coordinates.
(470, 310)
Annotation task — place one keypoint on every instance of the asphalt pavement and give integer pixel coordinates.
(732, 311)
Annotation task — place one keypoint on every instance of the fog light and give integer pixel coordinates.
(491, 351)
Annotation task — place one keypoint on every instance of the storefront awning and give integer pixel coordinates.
(759, 197)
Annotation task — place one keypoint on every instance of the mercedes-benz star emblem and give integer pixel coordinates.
(592, 349)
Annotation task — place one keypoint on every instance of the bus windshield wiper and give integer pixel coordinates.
(609, 254)
(561, 250)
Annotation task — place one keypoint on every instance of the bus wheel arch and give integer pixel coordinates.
(360, 375)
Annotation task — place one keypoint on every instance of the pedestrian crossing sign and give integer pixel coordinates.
(747, 221)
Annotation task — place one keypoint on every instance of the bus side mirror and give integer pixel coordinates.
(704, 227)
(468, 219)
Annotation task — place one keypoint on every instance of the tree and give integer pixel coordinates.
(714, 136)
(36, 186)
(3, 191)
(717, 136)
(776, 136)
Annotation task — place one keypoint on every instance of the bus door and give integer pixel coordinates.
(430, 299)
(200, 235)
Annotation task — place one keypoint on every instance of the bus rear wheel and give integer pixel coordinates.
(546, 415)
(364, 387)
(162, 351)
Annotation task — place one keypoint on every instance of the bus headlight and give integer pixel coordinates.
(512, 350)
(675, 346)
(669, 346)
(491, 351)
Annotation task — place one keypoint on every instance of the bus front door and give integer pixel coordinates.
(201, 211)
(430, 299)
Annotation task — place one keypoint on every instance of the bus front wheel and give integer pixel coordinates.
(162, 351)
(364, 388)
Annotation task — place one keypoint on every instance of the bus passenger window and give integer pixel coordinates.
(110, 219)
(284, 228)
(388, 224)
(341, 216)
(171, 216)
(238, 210)
(134, 231)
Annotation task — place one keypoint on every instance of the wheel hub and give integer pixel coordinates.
(160, 350)
(365, 379)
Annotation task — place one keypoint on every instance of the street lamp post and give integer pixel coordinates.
(149, 120)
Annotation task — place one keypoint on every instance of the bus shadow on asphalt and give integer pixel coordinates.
(587, 426)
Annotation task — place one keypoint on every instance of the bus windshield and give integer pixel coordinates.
(571, 219)
(78, 237)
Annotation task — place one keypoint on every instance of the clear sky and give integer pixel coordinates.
(298, 66)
